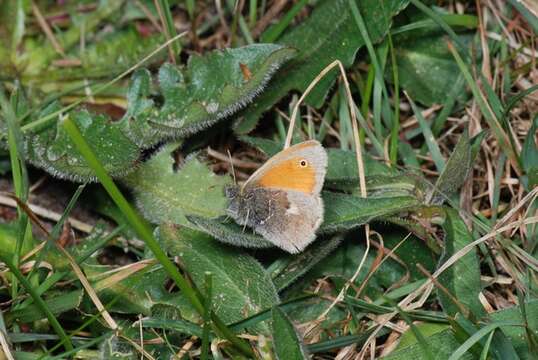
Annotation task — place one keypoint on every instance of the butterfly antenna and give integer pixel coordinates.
(232, 164)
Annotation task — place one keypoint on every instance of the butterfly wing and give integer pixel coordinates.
(301, 168)
(289, 227)
(281, 200)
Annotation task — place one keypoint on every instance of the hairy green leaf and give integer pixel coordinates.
(229, 232)
(210, 88)
(165, 194)
(286, 341)
(213, 87)
(241, 287)
(300, 264)
(342, 212)
(426, 69)
(529, 156)
(53, 150)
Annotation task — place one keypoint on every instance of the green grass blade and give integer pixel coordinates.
(143, 230)
(395, 129)
(439, 21)
(19, 175)
(477, 336)
(286, 341)
(485, 350)
(514, 100)
(431, 142)
(272, 34)
(488, 114)
(448, 106)
(190, 8)
(372, 53)
(170, 29)
(207, 315)
(463, 20)
(39, 302)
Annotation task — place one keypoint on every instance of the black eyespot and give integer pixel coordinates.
(303, 163)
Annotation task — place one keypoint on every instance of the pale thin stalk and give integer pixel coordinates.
(91, 292)
(360, 163)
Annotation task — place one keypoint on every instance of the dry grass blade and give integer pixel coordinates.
(89, 290)
(428, 285)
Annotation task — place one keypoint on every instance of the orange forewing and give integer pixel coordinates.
(289, 175)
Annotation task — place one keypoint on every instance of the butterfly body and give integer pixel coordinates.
(281, 200)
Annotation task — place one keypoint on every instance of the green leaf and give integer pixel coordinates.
(529, 156)
(517, 334)
(53, 151)
(462, 279)
(478, 336)
(241, 287)
(445, 342)
(454, 172)
(164, 194)
(300, 264)
(342, 212)
(210, 88)
(8, 240)
(426, 69)
(213, 87)
(286, 341)
(329, 33)
(229, 232)
(181, 326)
(58, 305)
(343, 263)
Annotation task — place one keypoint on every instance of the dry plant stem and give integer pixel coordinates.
(149, 15)
(185, 348)
(486, 65)
(91, 292)
(46, 29)
(360, 163)
(138, 348)
(268, 17)
(404, 304)
(6, 351)
(233, 161)
(166, 32)
(78, 272)
(218, 5)
(460, 306)
(47, 214)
